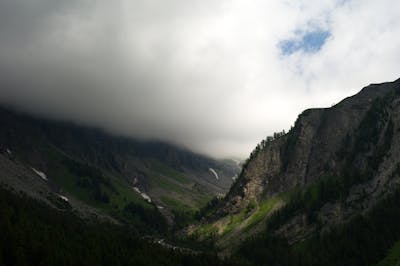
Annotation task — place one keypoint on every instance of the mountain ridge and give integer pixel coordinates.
(312, 119)
(348, 151)
(90, 165)
(319, 194)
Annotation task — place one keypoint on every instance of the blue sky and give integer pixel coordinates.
(309, 42)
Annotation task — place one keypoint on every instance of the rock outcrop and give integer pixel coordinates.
(356, 141)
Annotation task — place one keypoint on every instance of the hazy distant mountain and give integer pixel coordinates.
(102, 174)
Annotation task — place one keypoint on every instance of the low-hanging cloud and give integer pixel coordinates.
(210, 75)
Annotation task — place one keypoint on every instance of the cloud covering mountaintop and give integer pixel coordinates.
(215, 76)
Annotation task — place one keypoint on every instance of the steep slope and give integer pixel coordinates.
(105, 172)
(334, 163)
(32, 233)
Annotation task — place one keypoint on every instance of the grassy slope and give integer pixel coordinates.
(173, 188)
(119, 196)
(166, 186)
(393, 256)
(230, 230)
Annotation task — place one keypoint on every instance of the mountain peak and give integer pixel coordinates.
(352, 146)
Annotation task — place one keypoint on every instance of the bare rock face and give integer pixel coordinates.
(357, 137)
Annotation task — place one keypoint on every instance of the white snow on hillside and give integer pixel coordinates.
(144, 195)
(8, 151)
(214, 173)
(63, 197)
(39, 173)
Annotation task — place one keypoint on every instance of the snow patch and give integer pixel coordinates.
(214, 173)
(144, 195)
(39, 173)
(63, 197)
(234, 177)
(8, 151)
(160, 207)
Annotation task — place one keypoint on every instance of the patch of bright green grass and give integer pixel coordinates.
(264, 208)
(253, 218)
(125, 195)
(206, 231)
(393, 256)
(234, 221)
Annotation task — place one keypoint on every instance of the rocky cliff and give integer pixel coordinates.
(333, 164)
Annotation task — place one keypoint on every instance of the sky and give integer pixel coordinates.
(214, 76)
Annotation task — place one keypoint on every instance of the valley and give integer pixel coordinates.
(324, 193)
(103, 173)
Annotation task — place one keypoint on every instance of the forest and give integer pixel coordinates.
(364, 240)
(34, 234)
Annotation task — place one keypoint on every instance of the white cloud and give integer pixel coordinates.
(206, 74)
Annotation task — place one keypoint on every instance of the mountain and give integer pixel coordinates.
(325, 193)
(100, 175)
(335, 165)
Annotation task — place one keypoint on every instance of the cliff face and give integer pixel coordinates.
(355, 143)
